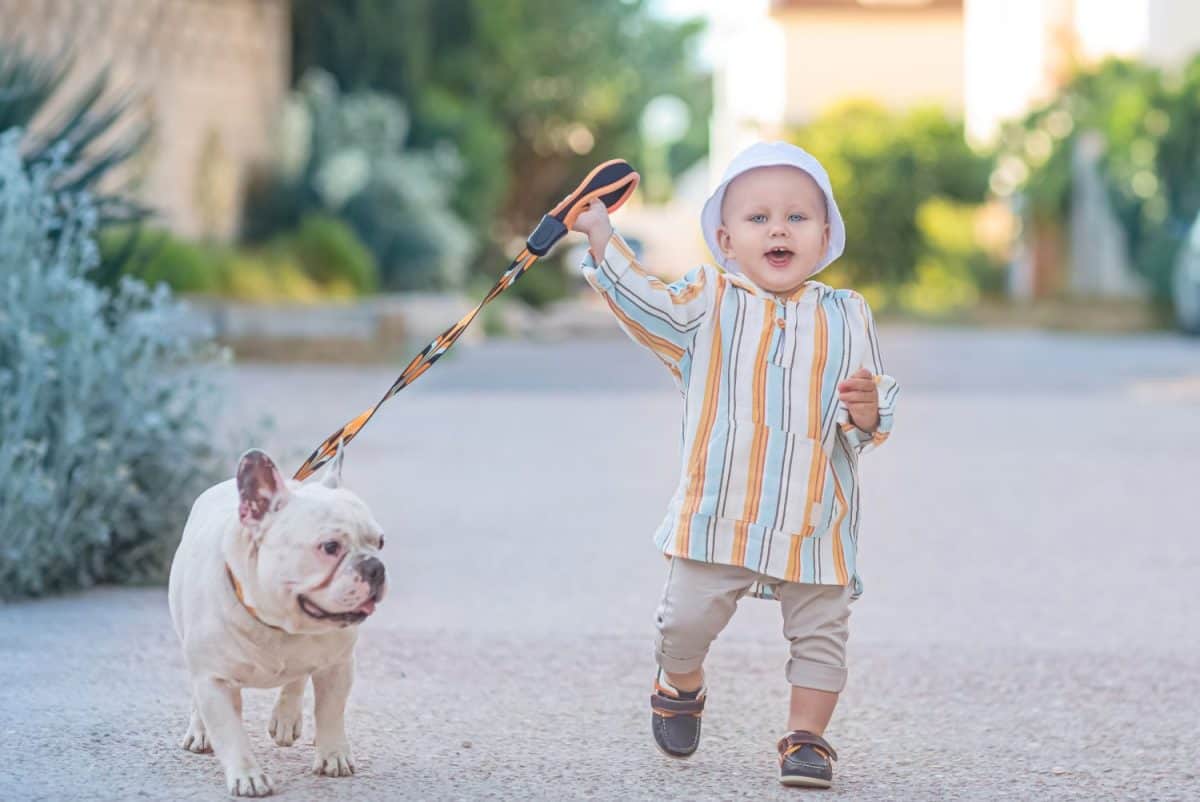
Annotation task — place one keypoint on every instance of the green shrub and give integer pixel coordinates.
(952, 269)
(886, 167)
(270, 275)
(323, 259)
(331, 254)
(159, 257)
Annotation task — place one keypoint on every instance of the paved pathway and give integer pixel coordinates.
(1030, 629)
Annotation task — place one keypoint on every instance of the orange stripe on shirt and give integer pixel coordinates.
(708, 413)
(623, 246)
(691, 291)
(636, 266)
(816, 473)
(839, 557)
(758, 447)
(663, 347)
(686, 295)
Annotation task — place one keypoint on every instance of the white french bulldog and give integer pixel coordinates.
(266, 588)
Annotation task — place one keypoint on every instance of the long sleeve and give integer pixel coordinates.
(662, 317)
(889, 390)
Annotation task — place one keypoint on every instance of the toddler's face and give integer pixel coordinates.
(773, 224)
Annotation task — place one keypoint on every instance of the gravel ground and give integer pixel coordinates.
(1029, 631)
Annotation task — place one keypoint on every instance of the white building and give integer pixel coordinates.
(1019, 50)
(780, 62)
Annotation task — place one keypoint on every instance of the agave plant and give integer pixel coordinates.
(82, 138)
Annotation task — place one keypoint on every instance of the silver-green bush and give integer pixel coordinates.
(107, 408)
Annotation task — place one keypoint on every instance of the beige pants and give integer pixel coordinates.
(699, 599)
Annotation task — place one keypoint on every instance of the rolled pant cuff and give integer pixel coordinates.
(677, 665)
(818, 676)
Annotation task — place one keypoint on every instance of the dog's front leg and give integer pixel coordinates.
(287, 718)
(220, 706)
(196, 739)
(331, 689)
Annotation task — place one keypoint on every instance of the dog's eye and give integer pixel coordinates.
(331, 547)
(381, 542)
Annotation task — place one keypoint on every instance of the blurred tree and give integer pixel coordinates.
(532, 92)
(1152, 168)
(1035, 151)
(1150, 125)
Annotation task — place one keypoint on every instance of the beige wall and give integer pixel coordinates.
(209, 74)
(900, 59)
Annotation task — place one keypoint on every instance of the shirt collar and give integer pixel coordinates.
(740, 280)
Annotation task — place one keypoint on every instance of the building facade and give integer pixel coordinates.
(209, 76)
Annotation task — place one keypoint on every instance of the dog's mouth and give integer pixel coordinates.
(356, 616)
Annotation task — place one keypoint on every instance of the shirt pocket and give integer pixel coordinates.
(767, 477)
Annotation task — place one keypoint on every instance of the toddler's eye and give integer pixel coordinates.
(331, 547)
(797, 218)
(758, 218)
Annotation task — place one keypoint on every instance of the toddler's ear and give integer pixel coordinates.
(723, 241)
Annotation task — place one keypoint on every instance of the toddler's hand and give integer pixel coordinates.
(861, 397)
(594, 222)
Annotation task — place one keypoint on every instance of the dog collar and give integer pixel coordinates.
(237, 590)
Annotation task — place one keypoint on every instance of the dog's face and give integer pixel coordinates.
(314, 548)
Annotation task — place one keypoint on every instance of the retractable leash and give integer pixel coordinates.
(611, 182)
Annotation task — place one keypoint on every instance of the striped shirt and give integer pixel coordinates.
(769, 477)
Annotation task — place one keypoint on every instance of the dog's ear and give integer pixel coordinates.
(261, 488)
(333, 473)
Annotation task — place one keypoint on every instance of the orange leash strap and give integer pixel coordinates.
(611, 182)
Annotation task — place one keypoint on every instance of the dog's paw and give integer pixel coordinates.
(286, 725)
(248, 782)
(196, 738)
(334, 762)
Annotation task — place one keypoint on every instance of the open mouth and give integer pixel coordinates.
(779, 257)
(356, 616)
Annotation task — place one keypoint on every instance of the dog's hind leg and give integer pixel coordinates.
(196, 738)
(287, 719)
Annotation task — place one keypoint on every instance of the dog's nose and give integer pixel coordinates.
(372, 572)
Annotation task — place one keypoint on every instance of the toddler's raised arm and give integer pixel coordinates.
(662, 317)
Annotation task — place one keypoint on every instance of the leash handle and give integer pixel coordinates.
(612, 182)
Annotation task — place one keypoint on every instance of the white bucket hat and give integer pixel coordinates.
(771, 154)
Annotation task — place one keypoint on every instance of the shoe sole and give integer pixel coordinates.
(674, 755)
(806, 782)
